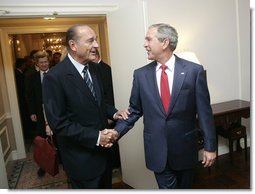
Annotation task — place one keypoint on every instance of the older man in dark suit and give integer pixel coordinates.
(77, 113)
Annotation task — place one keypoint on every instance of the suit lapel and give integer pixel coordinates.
(152, 81)
(179, 76)
(76, 79)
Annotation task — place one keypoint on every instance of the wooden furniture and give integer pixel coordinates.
(227, 118)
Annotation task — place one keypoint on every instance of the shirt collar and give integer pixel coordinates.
(170, 64)
(77, 65)
(41, 72)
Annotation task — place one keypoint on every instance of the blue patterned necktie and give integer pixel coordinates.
(88, 81)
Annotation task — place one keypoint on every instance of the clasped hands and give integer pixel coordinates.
(110, 136)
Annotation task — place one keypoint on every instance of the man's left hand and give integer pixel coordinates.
(208, 158)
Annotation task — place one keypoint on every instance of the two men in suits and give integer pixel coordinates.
(77, 117)
(170, 134)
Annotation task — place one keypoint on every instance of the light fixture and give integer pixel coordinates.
(49, 18)
(53, 17)
(188, 55)
(53, 41)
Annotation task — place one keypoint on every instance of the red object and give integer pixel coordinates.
(164, 88)
(45, 155)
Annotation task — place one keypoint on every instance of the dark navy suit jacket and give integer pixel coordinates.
(171, 137)
(76, 118)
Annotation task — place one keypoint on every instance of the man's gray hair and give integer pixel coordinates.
(165, 31)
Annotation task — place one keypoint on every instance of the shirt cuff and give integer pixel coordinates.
(114, 116)
(98, 139)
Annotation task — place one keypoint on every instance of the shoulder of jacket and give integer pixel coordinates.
(149, 66)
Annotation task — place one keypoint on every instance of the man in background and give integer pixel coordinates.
(34, 97)
(55, 59)
(106, 74)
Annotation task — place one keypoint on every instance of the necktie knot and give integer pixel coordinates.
(85, 69)
(163, 67)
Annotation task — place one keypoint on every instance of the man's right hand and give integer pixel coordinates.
(108, 137)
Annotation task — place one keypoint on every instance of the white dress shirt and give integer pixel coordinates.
(42, 74)
(79, 67)
(169, 71)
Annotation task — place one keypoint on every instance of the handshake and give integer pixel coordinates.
(108, 137)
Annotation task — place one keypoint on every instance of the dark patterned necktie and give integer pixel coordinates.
(88, 81)
(44, 73)
(164, 88)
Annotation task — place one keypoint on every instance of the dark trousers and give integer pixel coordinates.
(115, 160)
(103, 181)
(100, 182)
(175, 179)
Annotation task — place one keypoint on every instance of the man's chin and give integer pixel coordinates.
(150, 58)
(92, 57)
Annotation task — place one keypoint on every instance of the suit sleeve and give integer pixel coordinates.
(204, 110)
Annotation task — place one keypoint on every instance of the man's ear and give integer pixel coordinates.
(165, 43)
(72, 45)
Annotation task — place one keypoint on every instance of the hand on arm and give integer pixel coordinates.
(121, 114)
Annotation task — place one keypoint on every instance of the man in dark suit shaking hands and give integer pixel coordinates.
(77, 113)
(170, 93)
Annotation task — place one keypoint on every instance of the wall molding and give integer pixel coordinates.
(9, 11)
(2, 119)
(8, 146)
